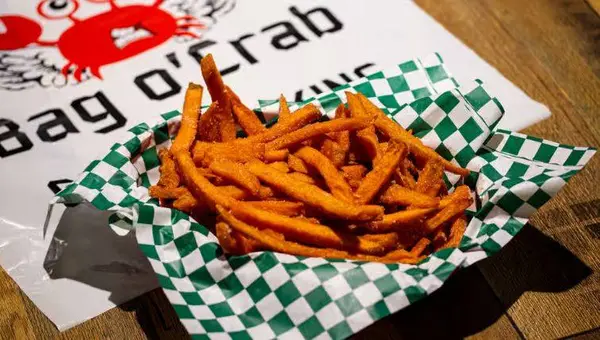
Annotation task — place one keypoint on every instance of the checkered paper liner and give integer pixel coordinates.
(265, 294)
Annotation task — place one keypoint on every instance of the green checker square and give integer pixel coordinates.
(165, 282)
(210, 251)
(488, 229)
(478, 98)
(258, 289)
(221, 309)
(340, 331)
(91, 166)
(230, 286)
(387, 285)
(513, 145)
(389, 101)
(421, 93)
(102, 202)
(464, 156)
(115, 159)
(237, 262)
(186, 244)
(414, 293)
(417, 273)
(510, 202)
(120, 179)
(378, 75)
(539, 179)
(92, 181)
(470, 130)
(287, 293)
(330, 102)
(490, 246)
(574, 157)
(443, 151)
(325, 271)
(133, 146)
(129, 201)
(487, 155)
(281, 323)
(240, 335)
(444, 254)
(265, 261)
(174, 269)
(251, 318)
(419, 126)
(437, 73)
(544, 153)
(366, 89)
(408, 66)
(398, 84)
(161, 133)
(211, 326)
(485, 210)
(294, 268)
(447, 101)
(491, 173)
(517, 170)
(200, 337)
(169, 115)
(149, 251)
(311, 328)
(348, 304)
(317, 298)
(535, 139)
(445, 128)
(539, 198)
(444, 270)
(139, 129)
(512, 226)
(356, 277)
(192, 298)
(183, 312)
(150, 158)
(378, 310)
(162, 234)
(144, 180)
(201, 278)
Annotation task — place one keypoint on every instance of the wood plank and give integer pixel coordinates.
(595, 5)
(14, 323)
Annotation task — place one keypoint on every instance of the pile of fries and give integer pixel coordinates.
(357, 187)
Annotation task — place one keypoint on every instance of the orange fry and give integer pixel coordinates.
(334, 152)
(166, 193)
(333, 178)
(381, 173)
(169, 178)
(398, 219)
(185, 203)
(313, 195)
(354, 174)
(366, 137)
(317, 129)
(285, 208)
(206, 153)
(189, 119)
(446, 214)
(276, 155)
(431, 178)
(303, 178)
(403, 175)
(297, 164)
(208, 124)
(281, 166)
(398, 195)
(419, 248)
(237, 174)
(247, 119)
(218, 93)
(460, 193)
(226, 240)
(284, 110)
(457, 230)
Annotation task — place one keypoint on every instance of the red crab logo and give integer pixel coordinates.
(106, 38)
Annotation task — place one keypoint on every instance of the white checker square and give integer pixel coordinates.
(529, 149)
(292, 334)
(405, 117)
(201, 312)
(212, 294)
(403, 279)
(286, 258)
(180, 228)
(532, 171)
(312, 262)
(433, 115)
(490, 113)
(248, 273)
(143, 234)
(359, 320)
(432, 264)
(474, 257)
(218, 268)
(444, 85)
(168, 252)
(430, 283)
(192, 261)
(276, 276)
(455, 142)
(501, 237)
(430, 60)
(306, 281)
(299, 311)
(193, 326)
(219, 336)
(241, 302)
(130, 171)
(161, 216)
(456, 258)
(431, 139)
(153, 175)
(231, 323)
(269, 306)
(459, 115)
(104, 170)
(396, 301)
(367, 294)
(323, 336)
(330, 315)
(183, 284)
(158, 267)
(375, 270)
(114, 194)
(262, 331)
(404, 98)
(174, 297)
(337, 287)
(525, 211)
(343, 267)
(381, 87)
(586, 157)
(416, 80)
(553, 185)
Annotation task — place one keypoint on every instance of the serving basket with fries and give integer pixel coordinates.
(335, 212)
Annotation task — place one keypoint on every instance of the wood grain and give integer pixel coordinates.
(546, 282)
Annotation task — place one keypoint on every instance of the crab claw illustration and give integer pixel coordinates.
(17, 32)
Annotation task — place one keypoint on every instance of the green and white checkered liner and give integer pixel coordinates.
(266, 295)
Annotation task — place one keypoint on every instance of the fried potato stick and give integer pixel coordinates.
(398, 220)
(313, 195)
(333, 178)
(189, 119)
(218, 93)
(334, 152)
(237, 174)
(281, 166)
(419, 248)
(354, 174)
(247, 119)
(186, 203)
(276, 155)
(457, 230)
(395, 131)
(381, 173)
(226, 239)
(398, 195)
(164, 193)
(284, 110)
(303, 178)
(446, 214)
(317, 129)
(208, 124)
(206, 153)
(285, 208)
(431, 178)
(169, 178)
(366, 137)
(297, 164)
(460, 193)
(404, 177)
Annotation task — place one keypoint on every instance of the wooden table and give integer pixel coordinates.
(546, 282)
